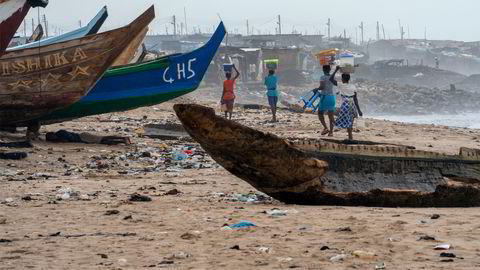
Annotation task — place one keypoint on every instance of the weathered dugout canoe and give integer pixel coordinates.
(357, 175)
(12, 13)
(37, 81)
(138, 85)
(90, 29)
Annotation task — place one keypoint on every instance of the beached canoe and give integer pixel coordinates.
(145, 84)
(12, 13)
(37, 81)
(90, 29)
(334, 173)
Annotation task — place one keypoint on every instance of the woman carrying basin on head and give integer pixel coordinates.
(350, 109)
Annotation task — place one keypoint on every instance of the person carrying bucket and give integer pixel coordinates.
(327, 99)
(271, 84)
(228, 95)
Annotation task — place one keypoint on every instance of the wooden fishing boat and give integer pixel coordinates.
(329, 173)
(37, 81)
(12, 13)
(90, 29)
(145, 84)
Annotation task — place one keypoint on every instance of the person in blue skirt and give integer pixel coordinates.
(327, 99)
(271, 84)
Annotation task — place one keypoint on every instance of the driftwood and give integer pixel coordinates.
(327, 173)
(37, 81)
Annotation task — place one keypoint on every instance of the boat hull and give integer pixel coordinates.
(361, 175)
(145, 84)
(35, 82)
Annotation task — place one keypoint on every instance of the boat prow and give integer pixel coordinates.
(327, 173)
(12, 13)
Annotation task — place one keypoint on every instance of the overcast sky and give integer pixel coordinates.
(456, 20)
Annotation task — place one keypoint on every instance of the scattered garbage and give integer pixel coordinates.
(179, 255)
(13, 155)
(189, 236)
(246, 198)
(447, 255)
(442, 247)
(380, 265)
(426, 238)
(344, 229)
(435, 216)
(364, 254)
(338, 258)
(285, 259)
(112, 212)
(277, 212)
(240, 225)
(66, 194)
(263, 250)
(25, 144)
(139, 198)
(173, 192)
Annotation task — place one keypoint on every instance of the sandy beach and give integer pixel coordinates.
(67, 206)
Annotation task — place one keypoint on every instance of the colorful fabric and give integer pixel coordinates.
(271, 84)
(272, 101)
(228, 89)
(327, 103)
(348, 112)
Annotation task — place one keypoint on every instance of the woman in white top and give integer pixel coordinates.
(349, 110)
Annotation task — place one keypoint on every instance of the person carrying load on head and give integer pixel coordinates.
(228, 95)
(271, 84)
(350, 109)
(327, 99)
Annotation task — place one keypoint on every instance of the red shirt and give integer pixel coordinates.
(229, 89)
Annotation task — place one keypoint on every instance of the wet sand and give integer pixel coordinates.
(99, 228)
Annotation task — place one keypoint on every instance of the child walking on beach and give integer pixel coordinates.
(228, 95)
(271, 84)
(350, 109)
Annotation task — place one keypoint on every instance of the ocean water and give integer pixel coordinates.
(464, 120)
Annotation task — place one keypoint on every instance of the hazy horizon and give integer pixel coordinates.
(307, 16)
